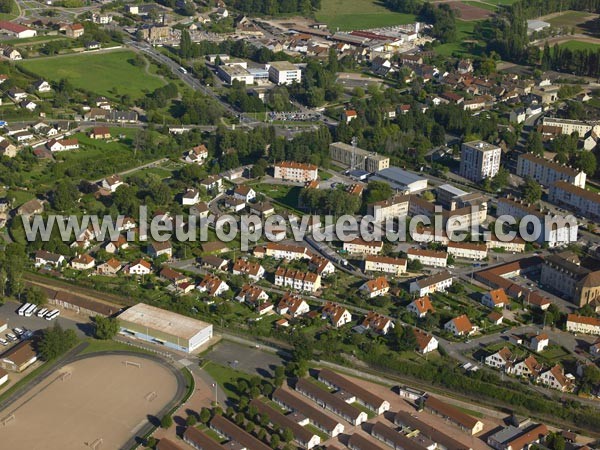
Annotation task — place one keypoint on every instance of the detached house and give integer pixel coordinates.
(495, 299)
(420, 307)
(139, 267)
(213, 286)
(322, 266)
(109, 268)
(156, 249)
(83, 262)
(61, 145)
(197, 155)
(44, 258)
(375, 288)
(190, 197)
(528, 367)
(254, 271)
(114, 246)
(256, 298)
(377, 323)
(292, 305)
(426, 343)
(499, 360)
(100, 133)
(460, 326)
(538, 342)
(42, 86)
(338, 315)
(245, 193)
(111, 183)
(555, 378)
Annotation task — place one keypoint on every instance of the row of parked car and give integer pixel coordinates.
(17, 333)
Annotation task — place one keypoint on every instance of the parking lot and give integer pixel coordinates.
(8, 314)
(245, 358)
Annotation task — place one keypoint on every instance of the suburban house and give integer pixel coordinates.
(292, 305)
(197, 155)
(109, 268)
(500, 359)
(100, 133)
(538, 342)
(322, 266)
(83, 262)
(460, 326)
(375, 288)
(212, 285)
(111, 183)
(420, 307)
(426, 343)
(253, 271)
(114, 246)
(282, 251)
(555, 378)
(495, 299)
(528, 367)
(61, 145)
(338, 315)
(190, 198)
(157, 249)
(377, 323)
(438, 282)
(297, 279)
(44, 258)
(245, 193)
(138, 267)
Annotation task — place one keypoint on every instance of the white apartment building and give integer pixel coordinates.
(385, 264)
(547, 172)
(554, 230)
(282, 251)
(360, 247)
(467, 250)
(434, 283)
(295, 171)
(357, 158)
(430, 258)
(284, 72)
(574, 198)
(479, 160)
(582, 324)
(569, 126)
(395, 207)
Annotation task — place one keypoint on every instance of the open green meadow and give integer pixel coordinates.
(359, 14)
(579, 45)
(463, 44)
(570, 19)
(95, 72)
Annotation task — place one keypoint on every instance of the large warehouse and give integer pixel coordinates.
(164, 327)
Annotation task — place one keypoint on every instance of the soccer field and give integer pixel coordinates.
(358, 15)
(110, 74)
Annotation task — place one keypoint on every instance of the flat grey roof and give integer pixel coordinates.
(399, 176)
(452, 189)
(163, 320)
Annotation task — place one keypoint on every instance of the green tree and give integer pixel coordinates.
(586, 161)
(35, 295)
(378, 191)
(531, 191)
(65, 195)
(105, 327)
(534, 143)
(166, 421)
(55, 341)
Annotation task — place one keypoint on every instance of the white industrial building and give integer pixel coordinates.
(401, 180)
(164, 327)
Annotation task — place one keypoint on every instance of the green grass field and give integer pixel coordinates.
(481, 5)
(109, 74)
(580, 45)
(359, 14)
(569, 19)
(464, 32)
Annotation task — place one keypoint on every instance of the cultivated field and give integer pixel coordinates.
(359, 14)
(95, 72)
(570, 19)
(470, 10)
(101, 404)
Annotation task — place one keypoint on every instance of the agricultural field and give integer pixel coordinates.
(578, 20)
(95, 73)
(464, 44)
(359, 14)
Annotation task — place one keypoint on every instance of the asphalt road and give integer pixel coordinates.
(246, 358)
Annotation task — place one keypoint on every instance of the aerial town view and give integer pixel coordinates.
(299, 224)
